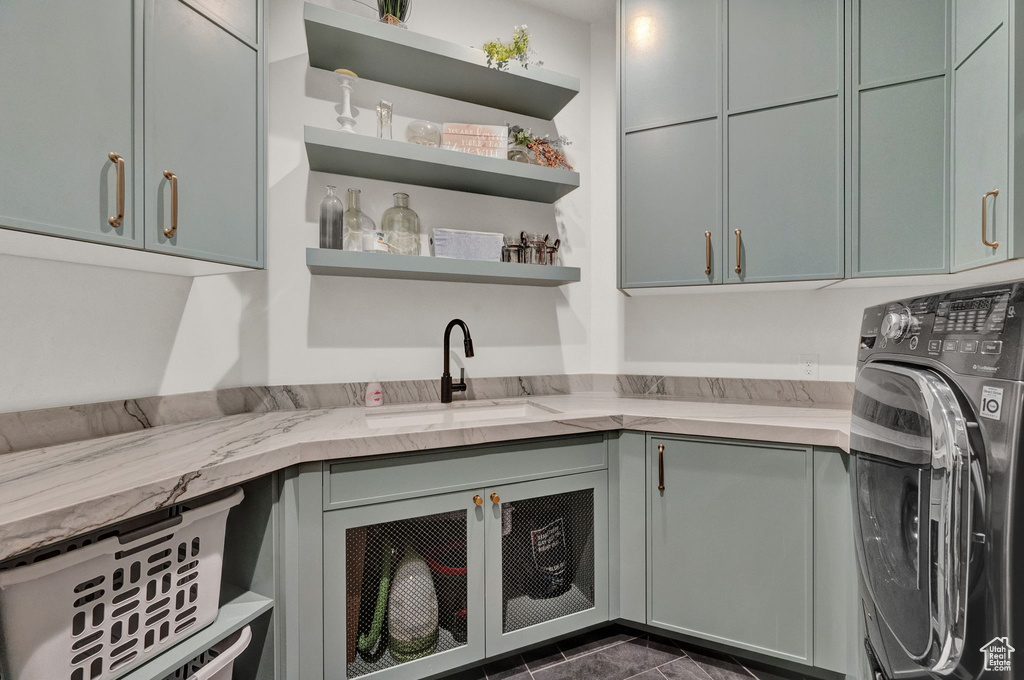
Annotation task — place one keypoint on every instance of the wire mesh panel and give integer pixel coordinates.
(547, 558)
(406, 590)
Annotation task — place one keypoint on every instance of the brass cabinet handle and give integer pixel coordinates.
(984, 219)
(739, 244)
(495, 498)
(174, 203)
(707, 253)
(477, 500)
(118, 160)
(661, 467)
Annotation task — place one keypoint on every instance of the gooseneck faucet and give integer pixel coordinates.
(447, 387)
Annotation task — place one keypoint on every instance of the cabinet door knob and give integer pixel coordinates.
(739, 246)
(495, 498)
(477, 500)
(118, 160)
(173, 179)
(661, 467)
(984, 219)
(707, 253)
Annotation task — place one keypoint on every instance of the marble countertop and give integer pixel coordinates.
(57, 492)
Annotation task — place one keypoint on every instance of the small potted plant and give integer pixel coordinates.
(394, 12)
(499, 54)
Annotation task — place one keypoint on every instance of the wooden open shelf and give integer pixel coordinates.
(419, 62)
(386, 266)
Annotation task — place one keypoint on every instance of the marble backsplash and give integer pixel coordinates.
(46, 427)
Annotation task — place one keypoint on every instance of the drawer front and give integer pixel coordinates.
(421, 474)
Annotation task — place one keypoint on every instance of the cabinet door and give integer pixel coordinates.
(980, 154)
(730, 555)
(899, 211)
(783, 50)
(671, 196)
(201, 125)
(404, 587)
(66, 105)
(785, 193)
(547, 559)
(671, 61)
(975, 20)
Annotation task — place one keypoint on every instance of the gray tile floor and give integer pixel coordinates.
(616, 653)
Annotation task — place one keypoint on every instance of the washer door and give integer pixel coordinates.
(912, 489)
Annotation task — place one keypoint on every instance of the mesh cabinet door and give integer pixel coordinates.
(403, 587)
(547, 559)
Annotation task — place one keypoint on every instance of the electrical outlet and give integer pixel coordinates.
(809, 366)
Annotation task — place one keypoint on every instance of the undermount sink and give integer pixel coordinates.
(460, 413)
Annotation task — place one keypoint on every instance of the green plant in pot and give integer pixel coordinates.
(394, 12)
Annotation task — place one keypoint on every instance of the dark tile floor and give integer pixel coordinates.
(616, 653)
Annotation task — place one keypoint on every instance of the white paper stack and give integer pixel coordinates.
(482, 140)
(468, 245)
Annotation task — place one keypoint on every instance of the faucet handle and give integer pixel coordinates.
(462, 374)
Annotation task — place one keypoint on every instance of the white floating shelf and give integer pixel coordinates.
(392, 55)
(328, 262)
(347, 153)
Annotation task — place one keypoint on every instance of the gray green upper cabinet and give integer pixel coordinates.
(784, 135)
(785, 193)
(671, 223)
(782, 51)
(982, 155)
(201, 126)
(730, 555)
(147, 85)
(66, 105)
(900, 131)
(671, 61)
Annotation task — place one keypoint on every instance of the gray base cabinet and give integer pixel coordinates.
(731, 544)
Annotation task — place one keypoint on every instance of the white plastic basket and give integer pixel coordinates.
(95, 607)
(217, 662)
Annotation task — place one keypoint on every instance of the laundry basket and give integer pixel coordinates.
(97, 606)
(217, 662)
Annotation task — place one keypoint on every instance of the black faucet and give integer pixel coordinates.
(446, 378)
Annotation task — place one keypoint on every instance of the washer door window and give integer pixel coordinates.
(911, 477)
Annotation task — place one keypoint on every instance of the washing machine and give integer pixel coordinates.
(935, 438)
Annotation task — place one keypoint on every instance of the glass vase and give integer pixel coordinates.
(357, 225)
(402, 227)
(332, 211)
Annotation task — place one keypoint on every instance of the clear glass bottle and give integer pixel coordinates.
(331, 215)
(357, 225)
(402, 227)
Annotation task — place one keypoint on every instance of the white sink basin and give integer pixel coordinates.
(460, 413)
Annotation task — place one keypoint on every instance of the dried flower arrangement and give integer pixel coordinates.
(548, 152)
(499, 54)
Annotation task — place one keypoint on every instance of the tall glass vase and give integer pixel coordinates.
(357, 225)
(331, 216)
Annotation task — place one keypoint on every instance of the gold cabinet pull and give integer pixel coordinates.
(984, 219)
(707, 253)
(118, 160)
(495, 498)
(661, 467)
(173, 179)
(477, 500)
(739, 245)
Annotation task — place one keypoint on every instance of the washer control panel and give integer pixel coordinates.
(972, 331)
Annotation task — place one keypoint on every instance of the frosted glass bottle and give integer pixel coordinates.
(402, 227)
(357, 225)
(331, 215)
